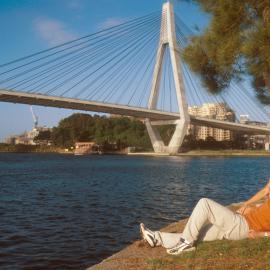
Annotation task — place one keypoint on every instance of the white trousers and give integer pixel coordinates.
(209, 221)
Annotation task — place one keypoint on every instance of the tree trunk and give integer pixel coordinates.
(266, 77)
(266, 15)
(266, 19)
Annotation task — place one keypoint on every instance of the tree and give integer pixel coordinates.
(109, 132)
(44, 136)
(236, 43)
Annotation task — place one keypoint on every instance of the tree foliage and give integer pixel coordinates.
(44, 135)
(120, 131)
(236, 42)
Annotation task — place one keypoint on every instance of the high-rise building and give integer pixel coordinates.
(219, 111)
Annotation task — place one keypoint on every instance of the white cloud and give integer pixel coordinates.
(75, 4)
(110, 22)
(54, 32)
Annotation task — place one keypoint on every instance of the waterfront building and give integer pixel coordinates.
(219, 111)
(254, 141)
(28, 137)
(84, 148)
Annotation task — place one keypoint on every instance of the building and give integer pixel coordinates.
(27, 137)
(84, 148)
(255, 141)
(219, 111)
(244, 118)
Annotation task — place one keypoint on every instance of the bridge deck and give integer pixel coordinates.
(76, 104)
(154, 115)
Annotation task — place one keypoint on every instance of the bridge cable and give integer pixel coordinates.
(81, 38)
(124, 75)
(240, 101)
(132, 78)
(63, 63)
(149, 63)
(125, 48)
(60, 57)
(122, 57)
(107, 49)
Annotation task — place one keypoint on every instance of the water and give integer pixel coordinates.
(70, 212)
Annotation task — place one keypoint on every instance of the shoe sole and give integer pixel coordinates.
(183, 251)
(143, 236)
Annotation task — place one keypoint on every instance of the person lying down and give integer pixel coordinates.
(211, 221)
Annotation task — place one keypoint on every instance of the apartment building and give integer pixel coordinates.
(219, 111)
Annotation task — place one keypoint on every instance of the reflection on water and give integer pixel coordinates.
(67, 212)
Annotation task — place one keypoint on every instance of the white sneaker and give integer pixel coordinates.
(148, 235)
(182, 246)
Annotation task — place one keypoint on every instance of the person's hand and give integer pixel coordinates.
(242, 210)
(252, 234)
(268, 188)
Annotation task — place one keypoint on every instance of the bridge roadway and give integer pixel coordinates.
(156, 116)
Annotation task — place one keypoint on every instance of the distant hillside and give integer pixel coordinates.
(120, 131)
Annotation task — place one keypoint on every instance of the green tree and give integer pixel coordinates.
(117, 132)
(44, 135)
(236, 42)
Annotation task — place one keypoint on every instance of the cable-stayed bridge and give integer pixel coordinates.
(132, 69)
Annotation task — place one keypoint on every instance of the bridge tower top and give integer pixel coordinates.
(168, 40)
(167, 23)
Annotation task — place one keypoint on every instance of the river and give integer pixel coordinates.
(70, 212)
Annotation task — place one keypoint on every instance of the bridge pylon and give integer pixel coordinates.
(168, 39)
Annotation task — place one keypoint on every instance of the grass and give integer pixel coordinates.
(219, 255)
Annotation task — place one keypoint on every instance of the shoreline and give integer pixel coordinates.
(193, 153)
(210, 153)
(138, 255)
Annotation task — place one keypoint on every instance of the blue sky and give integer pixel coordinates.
(29, 26)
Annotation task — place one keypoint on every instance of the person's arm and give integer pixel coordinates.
(253, 234)
(258, 196)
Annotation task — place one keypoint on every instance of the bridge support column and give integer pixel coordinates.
(267, 143)
(168, 39)
(178, 137)
(155, 138)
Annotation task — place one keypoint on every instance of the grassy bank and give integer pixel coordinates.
(227, 153)
(211, 153)
(247, 254)
(20, 148)
(219, 255)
